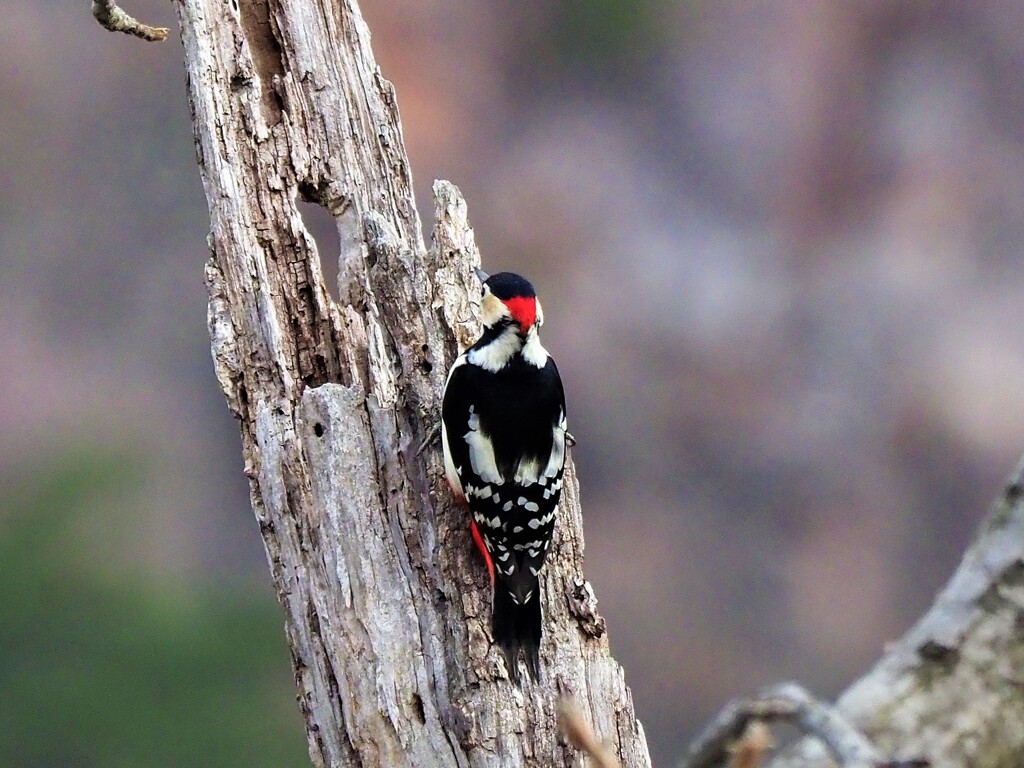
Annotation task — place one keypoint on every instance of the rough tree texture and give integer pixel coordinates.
(386, 603)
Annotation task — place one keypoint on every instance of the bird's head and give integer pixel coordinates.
(509, 299)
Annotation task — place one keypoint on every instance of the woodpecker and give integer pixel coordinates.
(503, 428)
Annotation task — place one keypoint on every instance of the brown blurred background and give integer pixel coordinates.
(779, 249)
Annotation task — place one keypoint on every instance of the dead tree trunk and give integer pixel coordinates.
(386, 606)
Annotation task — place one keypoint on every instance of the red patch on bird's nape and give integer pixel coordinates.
(524, 311)
(483, 549)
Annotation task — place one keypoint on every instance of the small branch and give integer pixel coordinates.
(752, 747)
(575, 729)
(786, 702)
(113, 18)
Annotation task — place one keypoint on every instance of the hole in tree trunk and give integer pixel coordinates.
(324, 229)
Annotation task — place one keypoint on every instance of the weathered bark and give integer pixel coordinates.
(386, 605)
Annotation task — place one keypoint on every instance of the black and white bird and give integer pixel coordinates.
(504, 434)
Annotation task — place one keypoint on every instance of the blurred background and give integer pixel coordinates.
(779, 249)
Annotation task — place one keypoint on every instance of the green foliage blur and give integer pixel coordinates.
(605, 32)
(101, 664)
(612, 41)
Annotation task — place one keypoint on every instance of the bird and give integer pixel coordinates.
(503, 431)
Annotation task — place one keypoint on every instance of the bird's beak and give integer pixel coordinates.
(481, 274)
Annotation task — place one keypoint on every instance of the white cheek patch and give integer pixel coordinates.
(492, 309)
(481, 451)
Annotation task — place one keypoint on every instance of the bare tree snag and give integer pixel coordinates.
(387, 606)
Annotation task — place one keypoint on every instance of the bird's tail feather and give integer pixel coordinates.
(517, 627)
